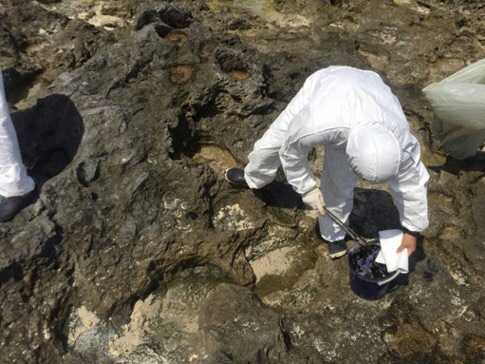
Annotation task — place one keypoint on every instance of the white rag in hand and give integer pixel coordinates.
(391, 240)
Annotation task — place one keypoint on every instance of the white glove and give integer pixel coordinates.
(313, 200)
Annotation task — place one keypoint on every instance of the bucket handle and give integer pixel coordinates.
(387, 280)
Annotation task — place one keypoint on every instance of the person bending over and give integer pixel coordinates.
(365, 134)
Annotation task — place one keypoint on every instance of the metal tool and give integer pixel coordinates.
(347, 229)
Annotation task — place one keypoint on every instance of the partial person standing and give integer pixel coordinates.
(16, 187)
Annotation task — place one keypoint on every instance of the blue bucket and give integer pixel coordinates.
(368, 279)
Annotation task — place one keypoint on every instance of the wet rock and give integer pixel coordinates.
(40, 240)
(410, 339)
(127, 131)
(235, 326)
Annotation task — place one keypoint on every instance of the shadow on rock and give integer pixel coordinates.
(418, 255)
(455, 166)
(49, 136)
(373, 211)
(279, 194)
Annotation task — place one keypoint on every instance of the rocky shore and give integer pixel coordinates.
(137, 251)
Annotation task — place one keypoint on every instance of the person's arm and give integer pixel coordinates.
(409, 191)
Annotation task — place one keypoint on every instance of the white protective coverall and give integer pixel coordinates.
(346, 110)
(14, 180)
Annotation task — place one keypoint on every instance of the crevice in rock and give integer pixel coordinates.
(171, 15)
(13, 271)
(233, 64)
(182, 138)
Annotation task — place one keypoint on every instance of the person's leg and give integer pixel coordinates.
(337, 185)
(14, 180)
(16, 187)
(264, 160)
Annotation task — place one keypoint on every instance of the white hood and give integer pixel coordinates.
(374, 153)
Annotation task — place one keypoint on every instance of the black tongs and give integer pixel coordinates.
(359, 239)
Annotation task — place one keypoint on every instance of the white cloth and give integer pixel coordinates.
(333, 102)
(14, 180)
(390, 240)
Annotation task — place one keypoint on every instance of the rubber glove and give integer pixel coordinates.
(313, 200)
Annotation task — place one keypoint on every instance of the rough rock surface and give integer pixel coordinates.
(137, 251)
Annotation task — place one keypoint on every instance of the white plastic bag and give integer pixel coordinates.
(458, 102)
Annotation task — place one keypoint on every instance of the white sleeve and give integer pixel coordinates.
(409, 191)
